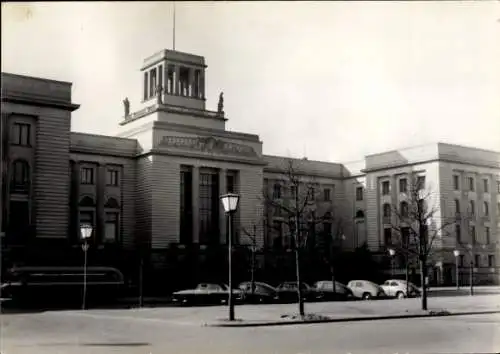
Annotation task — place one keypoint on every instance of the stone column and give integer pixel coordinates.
(99, 208)
(201, 88)
(177, 82)
(222, 214)
(195, 194)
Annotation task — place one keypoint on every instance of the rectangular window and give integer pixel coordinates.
(420, 182)
(471, 183)
(186, 209)
(184, 81)
(486, 209)
(21, 134)
(111, 227)
(196, 88)
(160, 76)
(277, 191)
(170, 80)
(87, 175)
(486, 185)
(487, 235)
(231, 183)
(111, 177)
(473, 234)
(386, 188)
(477, 260)
(458, 233)
(491, 261)
(388, 236)
(457, 206)
(403, 185)
(461, 260)
(472, 208)
(456, 183)
(359, 193)
(327, 195)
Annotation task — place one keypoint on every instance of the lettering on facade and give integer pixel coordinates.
(208, 144)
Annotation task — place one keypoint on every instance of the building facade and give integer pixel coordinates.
(156, 184)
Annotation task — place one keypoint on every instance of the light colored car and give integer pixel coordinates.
(397, 288)
(325, 290)
(365, 289)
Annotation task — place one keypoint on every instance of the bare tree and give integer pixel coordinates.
(252, 236)
(294, 198)
(417, 224)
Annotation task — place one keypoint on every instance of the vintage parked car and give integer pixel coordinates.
(206, 293)
(397, 288)
(365, 289)
(287, 292)
(326, 291)
(263, 293)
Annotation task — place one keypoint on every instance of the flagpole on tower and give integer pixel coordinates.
(173, 31)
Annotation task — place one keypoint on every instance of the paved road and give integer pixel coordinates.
(74, 333)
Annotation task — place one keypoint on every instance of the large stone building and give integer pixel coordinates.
(156, 184)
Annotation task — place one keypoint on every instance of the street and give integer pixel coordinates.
(179, 330)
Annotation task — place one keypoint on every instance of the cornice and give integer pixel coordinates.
(39, 102)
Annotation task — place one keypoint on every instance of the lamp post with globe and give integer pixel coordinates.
(456, 253)
(86, 233)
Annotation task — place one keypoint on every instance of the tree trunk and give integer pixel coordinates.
(253, 271)
(423, 277)
(299, 290)
(407, 275)
(332, 270)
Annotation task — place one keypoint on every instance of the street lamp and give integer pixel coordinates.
(86, 232)
(456, 253)
(230, 204)
(392, 252)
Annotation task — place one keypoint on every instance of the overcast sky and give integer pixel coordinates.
(336, 80)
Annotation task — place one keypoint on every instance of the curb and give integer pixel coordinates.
(347, 319)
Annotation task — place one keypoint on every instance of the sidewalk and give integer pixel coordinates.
(283, 314)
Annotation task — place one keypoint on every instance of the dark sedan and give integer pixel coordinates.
(262, 292)
(287, 292)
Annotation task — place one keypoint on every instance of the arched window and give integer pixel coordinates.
(404, 209)
(387, 210)
(112, 203)
(486, 209)
(87, 202)
(20, 177)
(360, 214)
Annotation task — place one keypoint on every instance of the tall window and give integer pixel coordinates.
(486, 209)
(473, 234)
(277, 191)
(111, 177)
(420, 182)
(486, 185)
(472, 208)
(456, 183)
(209, 208)
(387, 210)
(278, 232)
(387, 236)
(386, 188)
(359, 193)
(87, 175)
(457, 206)
(186, 207)
(404, 209)
(111, 227)
(461, 261)
(458, 233)
(491, 261)
(403, 185)
(170, 80)
(20, 177)
(231, 183)
(327, 195)
(498, 209)
(471, 183)
(21, 134)
(111, 222)
(184, 81)
(19, 218)
(487, 234)
(477, 260)
(498, 186)
(160, 76)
